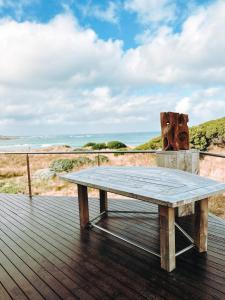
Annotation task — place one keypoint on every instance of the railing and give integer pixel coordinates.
(27, 154)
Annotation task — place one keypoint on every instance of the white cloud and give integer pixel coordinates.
(60, 73)
(151, 10)
(193, 56)
(184, 105)
(59, 52)
(202, 105)
(109, 14)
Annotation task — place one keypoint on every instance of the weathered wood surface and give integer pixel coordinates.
(161, 186)
(45, 256)
(175, 134)
(83, 205)
(167, 238)
(103, 201)
(201, 225)
(185, 160)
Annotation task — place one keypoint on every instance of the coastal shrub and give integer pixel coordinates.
(99, 146)
(115, 145)
(198, 140)
(201, 136)
(82, 160)
(66, 164)
(62, 165)
(207, 134)
(101, 159)
(10, 188)
(44, 174)
(90, 144)
(153, 144)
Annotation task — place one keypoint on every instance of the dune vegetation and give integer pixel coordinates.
(202, 137)
(46, 168)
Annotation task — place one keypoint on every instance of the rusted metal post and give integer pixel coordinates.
(28, 175)
(98, 158)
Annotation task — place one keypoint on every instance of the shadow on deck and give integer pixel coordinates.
(44, 255)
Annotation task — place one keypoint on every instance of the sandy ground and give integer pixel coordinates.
(13, 173)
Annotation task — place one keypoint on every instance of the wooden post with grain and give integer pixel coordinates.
(176, 153)
(83, 205)
(103, 201)
(201, 225)
(167, 238)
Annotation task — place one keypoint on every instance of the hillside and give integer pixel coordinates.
(211, 133)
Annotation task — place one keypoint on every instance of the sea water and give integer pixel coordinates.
(74, 140)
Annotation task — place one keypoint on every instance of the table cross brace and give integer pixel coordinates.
(93, 224)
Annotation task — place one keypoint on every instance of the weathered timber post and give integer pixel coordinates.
(175, 153)
(175, 134)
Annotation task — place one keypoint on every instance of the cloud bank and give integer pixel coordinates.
(62, 74)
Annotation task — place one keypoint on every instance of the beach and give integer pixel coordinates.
(26, 143)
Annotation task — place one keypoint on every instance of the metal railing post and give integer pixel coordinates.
(28, 175)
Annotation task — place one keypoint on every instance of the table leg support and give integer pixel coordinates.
(201, 225)
(103, 201)
(83, 205)
(167, 238)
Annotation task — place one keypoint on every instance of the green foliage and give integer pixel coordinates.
(10, 188)
(153, 144)
(66, 164)
(206, 134)
(90, 144)
(109, 145)
(99, 146)
(81, 161)
(62, 165)
(101, 159)
(115, 145)
(201, 136)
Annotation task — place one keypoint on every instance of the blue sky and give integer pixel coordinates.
(125, 25)
(106, 66)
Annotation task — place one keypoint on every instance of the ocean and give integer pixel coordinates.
(25, 143)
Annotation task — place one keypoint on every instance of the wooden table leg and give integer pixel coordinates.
(167, 238)
(103, 201)
(83, 205)
(201, 224)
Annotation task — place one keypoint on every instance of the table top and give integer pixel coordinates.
(163, 186)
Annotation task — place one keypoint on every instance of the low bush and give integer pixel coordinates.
(115, 145)
(90, 144)
(83, 160)
(99, 146)
(153, 144)
(62, 165)
(66, 164)
(201, 137)
(10, 188)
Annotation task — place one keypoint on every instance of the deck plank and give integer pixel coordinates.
(42, 237)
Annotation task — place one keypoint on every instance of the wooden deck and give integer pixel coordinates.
(43, 255)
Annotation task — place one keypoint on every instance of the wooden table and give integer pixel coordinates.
(168, 188)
